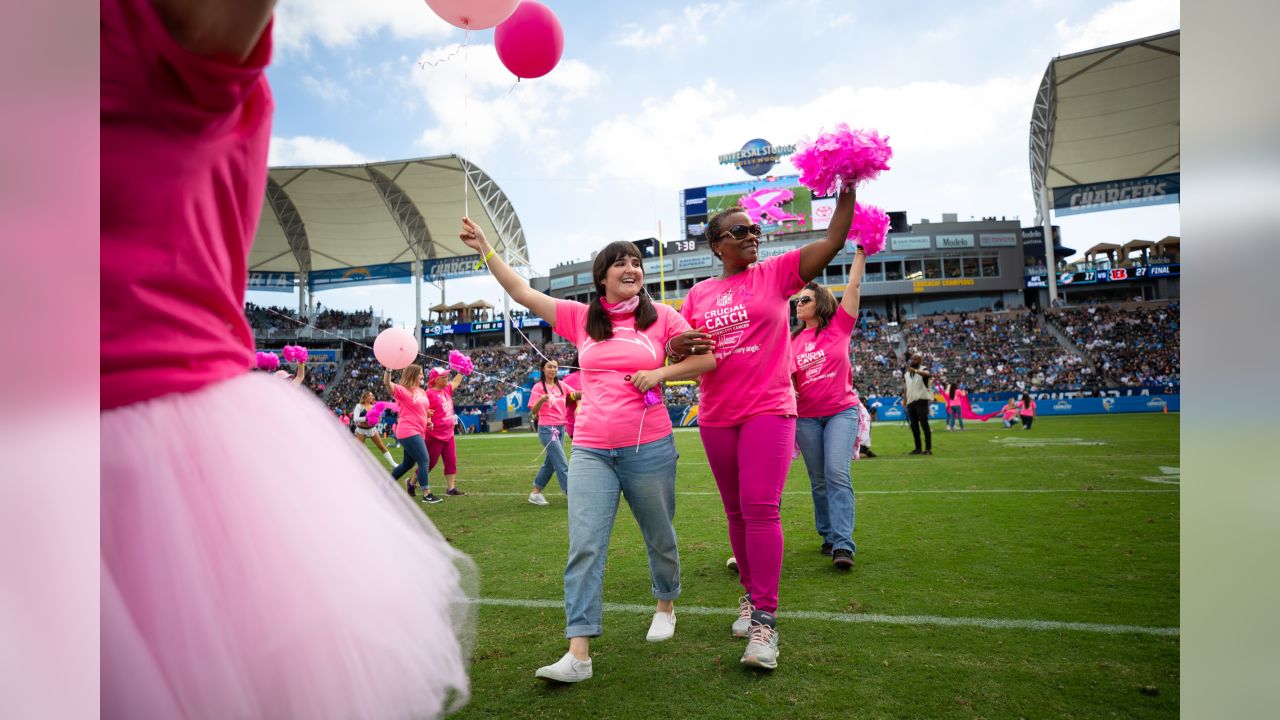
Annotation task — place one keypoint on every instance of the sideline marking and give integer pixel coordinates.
(1172, 476)
(1044, 442)
(996, 623)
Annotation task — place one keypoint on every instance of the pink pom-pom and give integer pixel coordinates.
(460, 363)
(652, 397)
(268, 361)
(374, 413)
(295, 354)
(869, 228)
(842, 157)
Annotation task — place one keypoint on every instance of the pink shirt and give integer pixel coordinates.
(442, 418)
(612, 413)
(955, 399)
(1029, 411)
(553, 411)
(747, 314)
(824, 377)
(412, 418)
(574, 381)
(1009, 412)
(183, 176)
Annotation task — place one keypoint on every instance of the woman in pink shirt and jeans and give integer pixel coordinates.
(747, 407)
(411, 428)
(828, 423)
(622, 445)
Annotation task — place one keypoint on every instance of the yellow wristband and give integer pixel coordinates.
(484, 260)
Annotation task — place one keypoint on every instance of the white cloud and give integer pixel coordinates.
(1120, 22)
(958, 148)
(344, 23)
(689, 30)
(327, 89)
(478, 104)
(306, 150)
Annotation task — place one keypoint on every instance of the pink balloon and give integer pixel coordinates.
(473, 14)
(395, 348)
(531, 41)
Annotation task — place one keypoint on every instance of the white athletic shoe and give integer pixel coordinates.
(662, 627)
(743, 623)
(537, 499)
(567, 669)
(762, 644)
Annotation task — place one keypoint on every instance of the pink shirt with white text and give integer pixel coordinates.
(553, 411)
(823, 375)
(748, 316)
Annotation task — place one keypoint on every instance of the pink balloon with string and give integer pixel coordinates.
(531, 41)
(395, 348)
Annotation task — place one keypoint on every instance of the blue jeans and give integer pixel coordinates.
(954, 415)
(647, 479)
(827, 444)
(415, 451)
(554, 461)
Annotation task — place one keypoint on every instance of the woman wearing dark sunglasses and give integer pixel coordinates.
(827, 406)
(747, 408)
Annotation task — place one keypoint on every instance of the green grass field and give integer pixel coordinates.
(1013, 574)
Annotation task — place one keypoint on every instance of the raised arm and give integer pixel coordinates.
(302, 374)
(222, 30)
(853, 291)
(456, 381)
(386, 382)
(544, 306)
(819, 253)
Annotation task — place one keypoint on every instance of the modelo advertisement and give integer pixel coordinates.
(781, 205)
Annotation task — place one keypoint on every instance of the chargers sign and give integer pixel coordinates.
(1117, 194)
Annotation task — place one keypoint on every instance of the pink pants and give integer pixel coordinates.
(750, 462)
(437, 448)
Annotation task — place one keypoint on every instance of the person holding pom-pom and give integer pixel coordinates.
(747, 414)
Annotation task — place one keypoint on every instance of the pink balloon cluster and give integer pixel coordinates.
(460, 363)
(869, 228)
(295, 354)
(842, 157)
(531, 41)
(268, 361)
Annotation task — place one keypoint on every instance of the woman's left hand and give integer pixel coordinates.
(645, 380)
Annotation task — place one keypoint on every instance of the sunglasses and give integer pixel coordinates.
(803, 300)
(740, 232)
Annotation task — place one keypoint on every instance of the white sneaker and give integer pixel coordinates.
(762, 646)
(537, 499)
(567, 669)
(662, 627)
(743, 623)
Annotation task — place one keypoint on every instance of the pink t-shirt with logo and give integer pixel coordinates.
(748, 316)
(824, 377)
(412, 418)
(612, 413)
(442, 418)
(183, 174)
(553, 411)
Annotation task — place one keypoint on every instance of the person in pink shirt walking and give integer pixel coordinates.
(411, 429)
(623, 446)
(228, 590)
(747, 407)
(828, 421)
(548, 404)
(439, 435)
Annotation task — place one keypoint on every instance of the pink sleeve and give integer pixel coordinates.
(571, 320)
(783, 272)
(843, 322)
(686, 308)
(399, 393)
(675, 322)
(535, 393)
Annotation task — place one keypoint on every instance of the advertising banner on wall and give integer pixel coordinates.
(1117, 194)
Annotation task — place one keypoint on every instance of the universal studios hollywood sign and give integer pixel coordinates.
(757, 157)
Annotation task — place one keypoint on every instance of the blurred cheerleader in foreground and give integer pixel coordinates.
(225, 591)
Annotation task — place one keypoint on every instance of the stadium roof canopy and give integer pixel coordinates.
(1106, 115)
(353, 216)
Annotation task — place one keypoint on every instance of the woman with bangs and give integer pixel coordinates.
(623, 446)
(747, 407)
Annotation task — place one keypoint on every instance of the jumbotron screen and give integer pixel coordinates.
(780, 204)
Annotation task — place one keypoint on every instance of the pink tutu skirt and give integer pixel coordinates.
(258, 563)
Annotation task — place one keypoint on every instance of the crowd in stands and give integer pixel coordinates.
(1136, 345)
(996, 352)
(278, 318)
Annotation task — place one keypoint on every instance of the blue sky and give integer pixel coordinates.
(648, 94)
